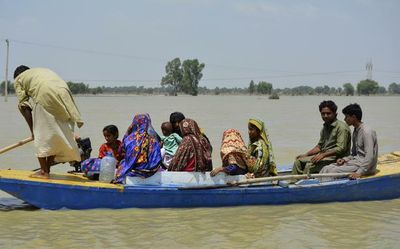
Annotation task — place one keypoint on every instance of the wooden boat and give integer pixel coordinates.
(182, 189)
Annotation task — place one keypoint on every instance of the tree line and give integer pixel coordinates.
(184, 77)
(365, 87)
(76, 88)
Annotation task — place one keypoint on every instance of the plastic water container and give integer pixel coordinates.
(107, 168)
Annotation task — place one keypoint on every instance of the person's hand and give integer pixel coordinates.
(250, 176)
(215, 171)
(354, 176)
(340, 162)
(77, 137)
(301, 156)
(317, 158)
(129, 130)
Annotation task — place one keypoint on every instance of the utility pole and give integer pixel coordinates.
(368, 66)
(6, 80)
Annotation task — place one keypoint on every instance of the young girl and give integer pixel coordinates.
(91, 166)
(110, 133)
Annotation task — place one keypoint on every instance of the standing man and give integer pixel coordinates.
(51, 116)
(334, 143)
(364, 152)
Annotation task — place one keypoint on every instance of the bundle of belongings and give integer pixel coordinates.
(85, 148)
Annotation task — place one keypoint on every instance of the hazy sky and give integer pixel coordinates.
(287, 43)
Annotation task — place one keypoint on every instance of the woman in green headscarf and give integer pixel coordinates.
(261, 149)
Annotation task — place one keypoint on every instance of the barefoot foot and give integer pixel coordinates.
(40, 174)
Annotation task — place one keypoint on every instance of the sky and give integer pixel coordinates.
(124, 43)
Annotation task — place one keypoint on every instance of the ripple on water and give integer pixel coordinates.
(10, 204)
(333, 225)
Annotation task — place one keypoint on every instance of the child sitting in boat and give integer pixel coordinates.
(170, 143)
(91, 166)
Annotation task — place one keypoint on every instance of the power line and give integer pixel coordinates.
(286, 74)
(392, 72)
(88, 51)
(159, 60)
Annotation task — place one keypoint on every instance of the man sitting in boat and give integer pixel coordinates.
(51, 117)
(364, 152)
(334, 143)
(194, 151)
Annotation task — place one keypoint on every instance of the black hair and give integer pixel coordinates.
(353, 109)
(165, 124)
(328, 103)
(112, 129)
(176, 117)
(20, 69)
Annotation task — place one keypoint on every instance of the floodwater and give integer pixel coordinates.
(293, 124)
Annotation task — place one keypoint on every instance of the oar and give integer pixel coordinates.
(266, 179)
(10, 147)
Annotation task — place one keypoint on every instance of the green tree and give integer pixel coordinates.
(97, 90)
(264, 87)
(326, 90)
(367, 87)
(252, 87)
(10, 87)
(78, 88)
(174, 75)
(319, 90)
(394, 88)
(348, 89)
(191, 76)
(382, 90)
(302, 90)
(339, 90)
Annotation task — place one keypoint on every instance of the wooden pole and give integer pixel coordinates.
(266, 179)
(10, 147)
(287, 177)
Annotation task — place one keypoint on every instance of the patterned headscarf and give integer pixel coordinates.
(233, 149)
(193, 145)
(142, 150)
(264, 136)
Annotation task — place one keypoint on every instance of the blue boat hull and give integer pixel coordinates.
(56, 196)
